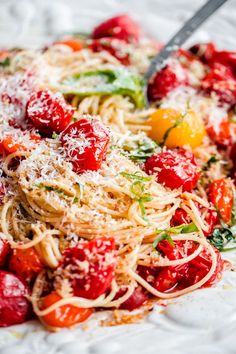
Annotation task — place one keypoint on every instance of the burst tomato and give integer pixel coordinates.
(222, 134)
(92, 265)
(64, 316)
(48, 112)
(136, 299)
(4, 251)
(86, 143)
(166, 80)
(14, 306)
(121, 27)
(174, 169)
(116, 47)
(221, 194)
(204, 51)
(25, 263)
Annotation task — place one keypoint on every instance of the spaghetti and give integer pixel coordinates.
(92, 208)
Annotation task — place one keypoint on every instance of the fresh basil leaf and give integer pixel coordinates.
(139, 150)
(180, 229)
(117, 81)
(5, 62)
(212, 160)
(221, 237)
(136, 176)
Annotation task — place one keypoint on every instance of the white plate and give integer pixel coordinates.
(202, 322)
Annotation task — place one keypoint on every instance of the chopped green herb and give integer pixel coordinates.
(167, 133)
(139, 150)
(49, 188)
(54, 135)
(162, 238)
(221, 237)
(213, 159)
(75, 200)
(136, 176)
(74, 119)
(180, 229)
(5, 62)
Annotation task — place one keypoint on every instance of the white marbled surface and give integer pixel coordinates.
(200, 323)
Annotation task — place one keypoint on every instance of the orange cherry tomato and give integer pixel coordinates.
(64, 316)
(177, 128)
(221, 194)
(9, 146)
(25, 263)
(75, 44)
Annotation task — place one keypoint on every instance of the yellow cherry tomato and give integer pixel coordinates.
(175, 128)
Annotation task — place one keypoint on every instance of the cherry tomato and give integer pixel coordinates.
(220, 81)
(14, 306)
(174, 169)
(86, 143)
(221, 194)
(166, 279)
(166, 80)
(200, 266)
(225, 57)
(136, 299)
(116, 47)
(222, 134)
(64, 316)
(4, 251)
(204, 51)
(121, 27)
(25, 263)
(9, 144)
(185, 57)
(75, 44)
(48, 112)
(95, 278)
(189, 129)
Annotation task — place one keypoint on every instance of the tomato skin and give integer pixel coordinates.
(64, 316)
(204, 51)
(174, 169)
(96, 279)
(95, 137)
(48, 112)
(25, 263)
(4, 251)
(222, 134)
(165, 81)
(8, 145)
(121, 27)
(116, 47)
(222, 196)
(14, 306)
(74, 44)
(166, 280)
(136, 299)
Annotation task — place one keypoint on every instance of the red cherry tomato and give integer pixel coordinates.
(25, 263)
(86, 143)
(136, 299)
(166, 279)
(48, 112)
(64, 316)
(121, 27)
(221, 194)
(14, 306)
(222, 134)
(92, 265)
(220, 80)
(174, 169)
(180, 217)
(225, 57)
(204, 51)
(116, 47)
(166, 80)
(4, 251)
